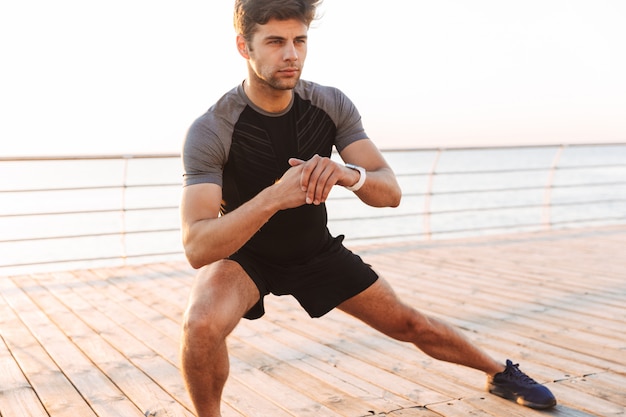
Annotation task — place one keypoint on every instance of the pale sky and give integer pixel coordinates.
(86, 77)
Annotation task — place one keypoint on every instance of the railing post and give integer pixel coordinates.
(429, 193)
(547, 196)
(123, 209)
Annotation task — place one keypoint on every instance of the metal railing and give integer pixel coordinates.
(509, 189)
(84, 211)
(73, 212)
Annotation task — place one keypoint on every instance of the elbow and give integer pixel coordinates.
(199, 256)
(194, 264)
(395, 196)
(395, 199)
(388, 198)
(194, 257)
(193, 260)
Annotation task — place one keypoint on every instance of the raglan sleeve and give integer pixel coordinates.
(204, 153)
(348, 119)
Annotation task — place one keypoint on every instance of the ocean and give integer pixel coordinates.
(76, 213)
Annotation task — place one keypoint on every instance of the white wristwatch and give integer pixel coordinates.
(361, 181)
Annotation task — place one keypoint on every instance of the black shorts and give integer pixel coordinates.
(319, 285)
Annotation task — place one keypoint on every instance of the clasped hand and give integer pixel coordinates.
(310, 182)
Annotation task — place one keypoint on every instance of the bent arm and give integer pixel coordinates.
(208, 237)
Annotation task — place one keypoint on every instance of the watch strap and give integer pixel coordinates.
(361, 181)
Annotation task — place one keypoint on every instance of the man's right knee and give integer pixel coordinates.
(221, 295)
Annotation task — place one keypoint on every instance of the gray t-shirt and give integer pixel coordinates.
(245, 149)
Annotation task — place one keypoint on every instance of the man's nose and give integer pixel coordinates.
(291, 52)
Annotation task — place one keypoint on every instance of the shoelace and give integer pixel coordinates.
(514, 372)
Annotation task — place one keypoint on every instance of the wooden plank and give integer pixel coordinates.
(320, 360)
(17, 397)
(568, 395)
(464, 407)
(250, 403)
(346, 336)
(284, 393)
(527, 324)
(555, 301)
(285, 364)
(142, 301)
(414, 412)
(609, 387)
(172, 309)
(472, 293)
(102, 395)
(135, 385)
(55, 389)
(114, 350)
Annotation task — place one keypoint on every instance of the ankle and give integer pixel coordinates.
(496, 368)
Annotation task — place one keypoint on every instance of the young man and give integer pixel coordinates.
(257, 173)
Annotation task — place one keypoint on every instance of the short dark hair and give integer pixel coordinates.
(250, 13)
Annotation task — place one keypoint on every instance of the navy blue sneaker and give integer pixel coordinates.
(515, 385)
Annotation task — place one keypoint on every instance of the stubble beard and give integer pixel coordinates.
(275, 82)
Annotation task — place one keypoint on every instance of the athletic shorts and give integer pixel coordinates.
(319, 285)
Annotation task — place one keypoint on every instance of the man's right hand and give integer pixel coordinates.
(288, 189)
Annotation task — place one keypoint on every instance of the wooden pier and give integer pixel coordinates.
(104, 342)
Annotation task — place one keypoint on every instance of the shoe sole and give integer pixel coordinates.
(520, 400)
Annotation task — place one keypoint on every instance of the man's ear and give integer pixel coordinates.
(242, 47)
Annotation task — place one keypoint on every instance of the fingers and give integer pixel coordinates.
(294, 162)
(318, 177)
(290, 193)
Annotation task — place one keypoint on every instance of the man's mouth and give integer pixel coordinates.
(289, 70)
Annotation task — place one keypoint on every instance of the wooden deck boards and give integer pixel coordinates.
(105, 342)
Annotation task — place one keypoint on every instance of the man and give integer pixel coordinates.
(257, 174)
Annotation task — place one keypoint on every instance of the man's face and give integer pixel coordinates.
(277, 53)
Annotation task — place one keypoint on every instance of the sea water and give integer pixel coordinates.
(115, 210)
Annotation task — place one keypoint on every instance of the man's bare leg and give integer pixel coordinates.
(222, 293)
(379, 307)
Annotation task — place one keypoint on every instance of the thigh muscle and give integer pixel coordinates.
(221, 294)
